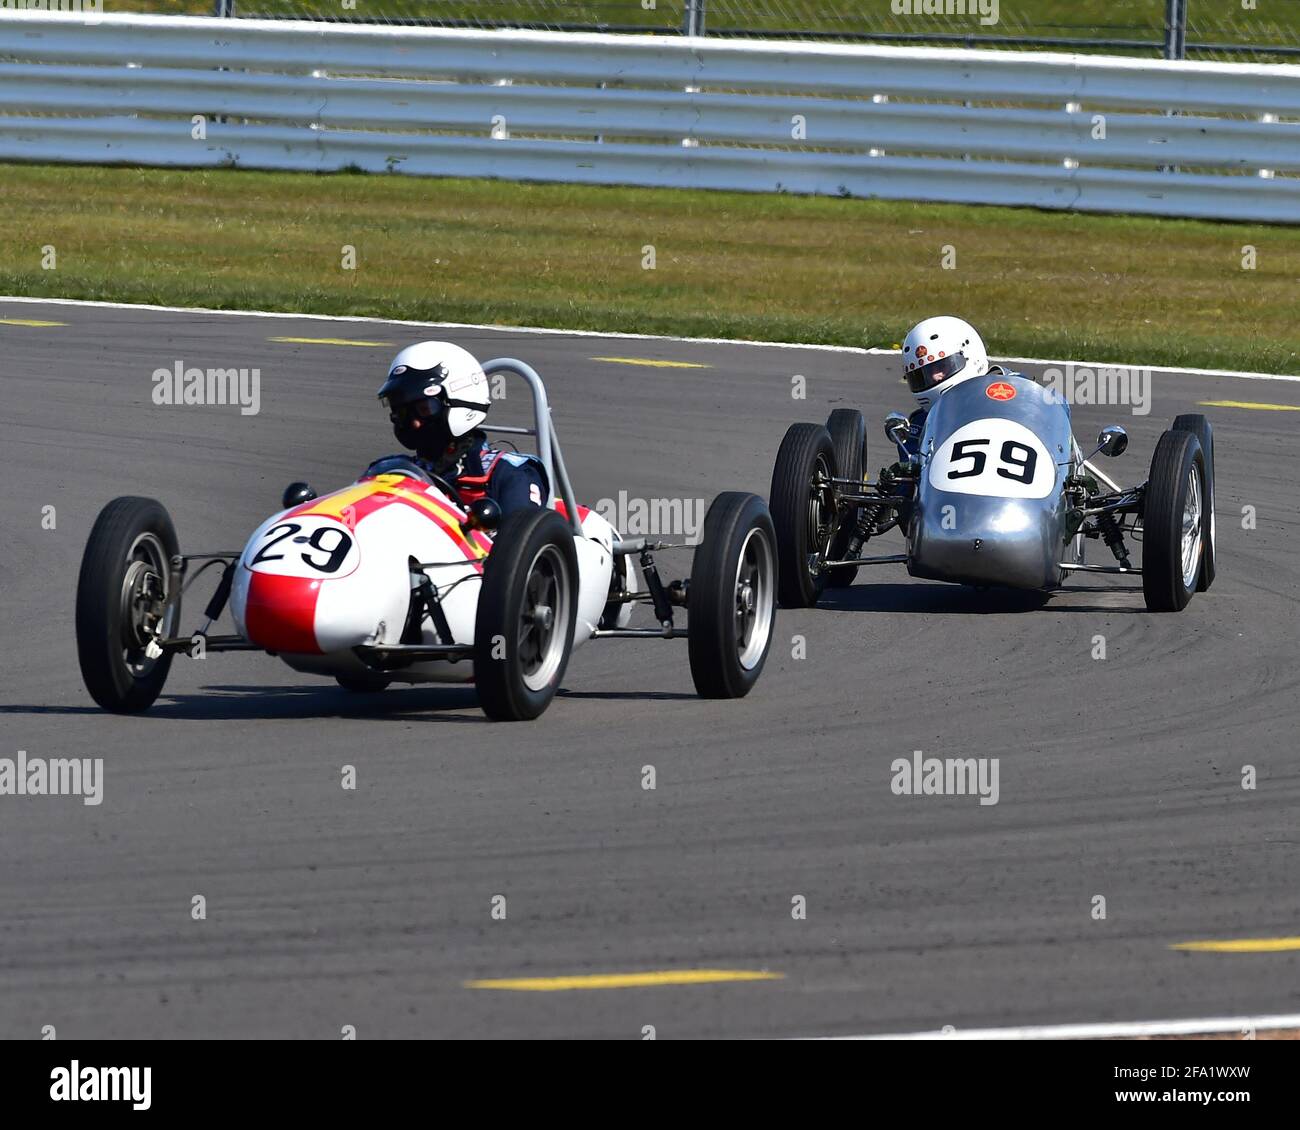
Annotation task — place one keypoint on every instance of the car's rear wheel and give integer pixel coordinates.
(732, 601)
(848, 432)
(125, 602)
(1199, 426)
(527, 609)
(802, 503)
(1173, 522)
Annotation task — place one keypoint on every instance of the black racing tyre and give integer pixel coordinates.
(1173, 522)
(1197, 424)
(122, 603)
(731, 604)
(364, 683)
(527, 609)
(848, 431)
(801, 516)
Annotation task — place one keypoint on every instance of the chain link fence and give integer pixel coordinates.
(1231, 30)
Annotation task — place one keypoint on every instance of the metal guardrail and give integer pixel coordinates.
(1048, 130)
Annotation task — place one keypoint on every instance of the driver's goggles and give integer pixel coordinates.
(935, 372)
(404, 413)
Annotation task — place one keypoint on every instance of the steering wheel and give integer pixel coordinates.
(446, 488)
(408, 467)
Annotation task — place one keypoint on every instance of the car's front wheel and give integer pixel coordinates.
(1173, 522)
(732, 597)
(125, 603)
(527, 609)
(1199, 426)
(848, 432)
(802, 501)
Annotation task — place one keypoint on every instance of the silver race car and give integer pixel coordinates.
(997, 493)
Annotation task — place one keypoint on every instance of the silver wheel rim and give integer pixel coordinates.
(1209, 503)
(1192, 528)
(544, 619)
(145, 615)
(755, 597)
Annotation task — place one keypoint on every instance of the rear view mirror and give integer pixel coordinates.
(295, 494)
(484, 514)
(897, 428)
(1112, 441)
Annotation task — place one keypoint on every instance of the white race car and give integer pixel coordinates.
(393, 579)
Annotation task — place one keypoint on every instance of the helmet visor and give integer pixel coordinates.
(935, 372)
(417, 414)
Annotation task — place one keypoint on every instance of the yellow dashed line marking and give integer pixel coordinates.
(1252, 404)
(624, 980)
(28, 322)
(1241, 945)
(329, 341)
(652, 363)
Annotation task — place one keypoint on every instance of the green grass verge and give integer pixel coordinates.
(1270, 23)
(1101, 18)
(811, 269)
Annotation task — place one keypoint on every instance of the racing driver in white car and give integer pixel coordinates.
(437, 396)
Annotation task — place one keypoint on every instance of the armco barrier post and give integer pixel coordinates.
(1175, 29)
(692, 17)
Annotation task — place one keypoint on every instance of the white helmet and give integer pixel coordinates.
(436, 392)
(939, 354)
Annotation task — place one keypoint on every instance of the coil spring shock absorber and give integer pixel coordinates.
(1114, 538)
(867, 518)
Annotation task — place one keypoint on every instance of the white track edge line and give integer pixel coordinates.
(544, 330)
(428, 325)
(1100, 1031)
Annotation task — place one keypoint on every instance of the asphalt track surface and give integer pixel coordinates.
(1118, 777)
